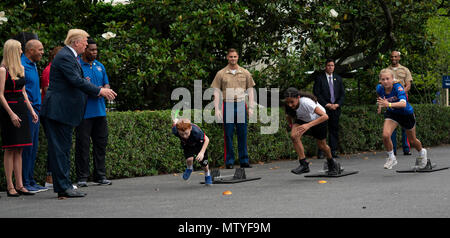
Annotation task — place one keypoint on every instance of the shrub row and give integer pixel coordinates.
(141, 143)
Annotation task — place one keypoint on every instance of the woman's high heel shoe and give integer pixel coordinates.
(12, 194)
(23, 192)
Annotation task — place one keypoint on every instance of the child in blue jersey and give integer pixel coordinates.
(307, 117)
(399, 112)
(194, 143)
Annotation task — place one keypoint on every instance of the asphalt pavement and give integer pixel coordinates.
(373, 192)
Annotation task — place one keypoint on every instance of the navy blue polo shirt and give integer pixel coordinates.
(32, 82)
(96, 72)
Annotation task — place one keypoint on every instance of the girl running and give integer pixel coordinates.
(306, 116)
(399, 112)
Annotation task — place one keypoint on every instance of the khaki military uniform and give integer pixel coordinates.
(401, 74)
(237, 81)
(233, 84)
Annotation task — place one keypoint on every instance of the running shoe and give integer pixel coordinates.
(208, 180)
(302, 168)
(187, 174)
(421, 161)
(390, 162)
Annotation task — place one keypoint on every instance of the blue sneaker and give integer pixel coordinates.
(208, 180)
(40, 188)
(187, 174)
(31, 189)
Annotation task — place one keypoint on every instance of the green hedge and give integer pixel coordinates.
(141, 143)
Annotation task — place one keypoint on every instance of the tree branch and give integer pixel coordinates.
(388, 42)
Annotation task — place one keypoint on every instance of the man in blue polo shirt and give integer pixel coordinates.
(33, 53)
(94, 125)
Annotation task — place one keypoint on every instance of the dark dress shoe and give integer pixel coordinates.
(70, 193)
(246, 165)
(229, 166)
(27, 193)
(103, 182)
(407, 153)
(334, 155)
(12, 194)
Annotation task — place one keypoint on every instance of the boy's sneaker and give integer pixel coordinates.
(40, 188)
(187, 174)
(208, 180)
(82, 184)
(31, 189)
(303, 168)
(390, 162)
(49, 185)
(422, 160)
(103, 182)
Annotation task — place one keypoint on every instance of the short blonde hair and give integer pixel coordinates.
(384, 71)
(74, 35)
(11, 59)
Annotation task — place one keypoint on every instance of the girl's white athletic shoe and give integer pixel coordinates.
(390, 162)
(422, 160)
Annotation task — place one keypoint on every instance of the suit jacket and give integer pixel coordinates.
(322, 91)
(68, 91)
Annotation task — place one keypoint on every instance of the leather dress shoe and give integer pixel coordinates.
(229, 166)
(21, 192)
(245, 165)
(70, 193)
(407, 153)
(103, 182)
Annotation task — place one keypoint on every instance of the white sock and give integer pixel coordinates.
(391, 154)
(207, 174)
(191, 167)
(422, 152)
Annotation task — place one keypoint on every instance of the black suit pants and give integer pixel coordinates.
(59, 138)
(333, 128)
(95, 128)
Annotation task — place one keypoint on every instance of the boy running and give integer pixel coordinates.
(194, 143)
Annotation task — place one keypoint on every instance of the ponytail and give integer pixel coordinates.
(308, 95)
(293, 93)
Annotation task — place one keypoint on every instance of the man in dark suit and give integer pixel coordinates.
(64, 106)
(329, 90)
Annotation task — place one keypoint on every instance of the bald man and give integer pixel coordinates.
(403, 76)
(33, 54)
